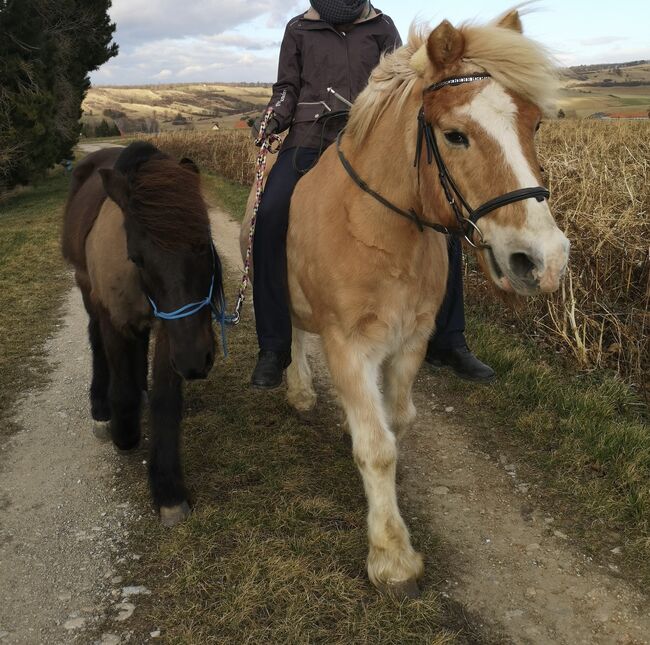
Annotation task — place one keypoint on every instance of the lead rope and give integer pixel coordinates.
(266, 145)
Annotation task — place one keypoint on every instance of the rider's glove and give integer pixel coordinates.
(272, 127)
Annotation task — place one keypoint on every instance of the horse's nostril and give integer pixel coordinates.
(522, 266)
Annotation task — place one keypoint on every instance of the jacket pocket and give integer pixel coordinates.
(310, 111)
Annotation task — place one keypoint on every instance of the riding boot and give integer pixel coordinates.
(267, 374)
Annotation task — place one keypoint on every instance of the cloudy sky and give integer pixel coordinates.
(167, 41)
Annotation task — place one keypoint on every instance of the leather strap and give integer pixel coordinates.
(410, 214)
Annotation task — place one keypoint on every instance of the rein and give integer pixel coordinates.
(467, 226)
(267, 144)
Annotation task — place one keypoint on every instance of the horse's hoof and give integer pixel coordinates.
(128, 448)
(401, 590)
(302, 402)
(102, 430)
(173, 515)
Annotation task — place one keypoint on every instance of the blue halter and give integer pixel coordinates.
(218, 310)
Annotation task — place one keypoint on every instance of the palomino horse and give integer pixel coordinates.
(137, 232)
(366, 268)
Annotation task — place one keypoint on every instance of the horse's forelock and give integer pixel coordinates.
(166, 200)
(520, 64)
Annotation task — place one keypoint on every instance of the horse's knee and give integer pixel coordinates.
(375, 456)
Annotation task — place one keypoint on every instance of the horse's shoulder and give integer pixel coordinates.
(113, 277)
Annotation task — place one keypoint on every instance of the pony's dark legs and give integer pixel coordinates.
(142, 359)
(166, 407)
(124, 391)
(99, 406)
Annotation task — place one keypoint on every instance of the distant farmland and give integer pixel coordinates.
(611, 89)
(622, 89)
(193, 106)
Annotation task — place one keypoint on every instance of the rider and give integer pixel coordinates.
(335, 44)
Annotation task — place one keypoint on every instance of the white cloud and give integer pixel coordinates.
(141, 20)
(197, 40)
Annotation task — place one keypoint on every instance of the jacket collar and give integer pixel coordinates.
(313, 16)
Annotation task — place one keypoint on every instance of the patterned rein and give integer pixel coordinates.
(466, 225)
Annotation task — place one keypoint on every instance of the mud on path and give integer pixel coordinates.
(62, 526)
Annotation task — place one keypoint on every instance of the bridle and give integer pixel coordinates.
(216, 302)
(467, 225)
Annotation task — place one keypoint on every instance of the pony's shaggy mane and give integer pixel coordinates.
(514, 61)
(166, 200)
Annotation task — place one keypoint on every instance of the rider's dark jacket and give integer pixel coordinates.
(314, 56)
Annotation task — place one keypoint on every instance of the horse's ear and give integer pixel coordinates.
(188, 164)
(116, 186)
(511, 20)
(445, 45)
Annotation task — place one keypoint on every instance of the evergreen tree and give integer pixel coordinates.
(47, 49)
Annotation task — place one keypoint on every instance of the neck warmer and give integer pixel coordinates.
(339, 12)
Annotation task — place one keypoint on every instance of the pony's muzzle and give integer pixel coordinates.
(193, 370)
(193, 361)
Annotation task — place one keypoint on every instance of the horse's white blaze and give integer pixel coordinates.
(496, 113)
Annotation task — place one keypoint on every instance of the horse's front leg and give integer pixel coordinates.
(393, 565)
(123, 391)
(166, 403)
(400, 371)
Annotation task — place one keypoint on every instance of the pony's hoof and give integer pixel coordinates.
(128, 448)
(301, 402)
(102, 430)
(401, 590)
(173, 515)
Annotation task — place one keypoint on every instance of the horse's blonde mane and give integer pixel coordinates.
(516, 62)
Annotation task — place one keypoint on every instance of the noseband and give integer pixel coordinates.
(194, 307)
(467, 225)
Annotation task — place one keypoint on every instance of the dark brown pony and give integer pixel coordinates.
(137, 233)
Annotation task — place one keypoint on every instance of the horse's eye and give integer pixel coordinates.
(137, 260)
(456, 138)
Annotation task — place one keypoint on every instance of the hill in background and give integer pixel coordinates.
(167, 107)
(619, 90)
(613, 89)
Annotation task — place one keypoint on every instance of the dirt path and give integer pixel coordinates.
(94, 147)
(62, 525)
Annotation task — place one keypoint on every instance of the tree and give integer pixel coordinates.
(47, 49)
